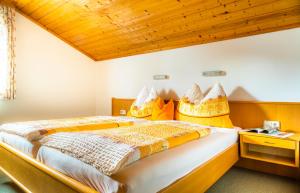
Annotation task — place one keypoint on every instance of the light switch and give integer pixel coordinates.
(123, 112)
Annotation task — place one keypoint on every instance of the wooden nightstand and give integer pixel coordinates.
(284, 151)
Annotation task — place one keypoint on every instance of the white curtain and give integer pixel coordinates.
(7, 55)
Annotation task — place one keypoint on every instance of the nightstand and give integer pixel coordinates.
(283, 151)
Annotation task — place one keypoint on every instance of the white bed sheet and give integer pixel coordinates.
(150, 174)
(20, 143)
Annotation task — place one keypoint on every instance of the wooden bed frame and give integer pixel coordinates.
(32, 176)
(251, 114)
(245, 114)
(35, 177)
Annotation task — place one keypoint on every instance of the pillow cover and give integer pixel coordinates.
(143, 107)
(151, 96)
(193, 95)
(142, 96)
(213, 109)
(162, 111)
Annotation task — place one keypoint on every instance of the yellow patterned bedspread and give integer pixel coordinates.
(112, 149)
(35, 130)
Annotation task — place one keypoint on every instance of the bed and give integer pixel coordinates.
(20, 143)
(62, 173)
(33, 176)
(36, 177)
(151, 174)
(57, 172)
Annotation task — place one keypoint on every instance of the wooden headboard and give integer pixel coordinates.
(246, 114)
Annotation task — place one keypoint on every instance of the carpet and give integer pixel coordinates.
(238, 180)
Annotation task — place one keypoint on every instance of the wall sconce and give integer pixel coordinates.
(214, 73)
(161, 77)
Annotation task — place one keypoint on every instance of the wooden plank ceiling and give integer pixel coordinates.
(105, 29)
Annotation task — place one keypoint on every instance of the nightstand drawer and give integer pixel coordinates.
(281, 143)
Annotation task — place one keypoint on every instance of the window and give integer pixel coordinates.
(7, 65)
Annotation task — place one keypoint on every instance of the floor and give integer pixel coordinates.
(239, 180)
(6, 186)
(235, 181)
(9, 188)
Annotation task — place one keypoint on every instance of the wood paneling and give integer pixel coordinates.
(120, 104)
(124, 104)
(246, 114)
(252, 114)
(105, 29)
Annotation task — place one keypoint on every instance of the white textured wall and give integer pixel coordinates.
(53, 79)
(264, 67)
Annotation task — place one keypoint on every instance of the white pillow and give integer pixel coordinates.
(194, 95)
(216, 91)
(142, 96)
(152, 95)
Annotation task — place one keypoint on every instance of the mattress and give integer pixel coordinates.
(31, 148)
(150, 174)
(20, 143)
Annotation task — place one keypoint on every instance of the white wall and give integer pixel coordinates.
(264, 67)
(53, 79)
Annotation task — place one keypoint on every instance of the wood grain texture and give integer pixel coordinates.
(277, 145)
(246, 114)
(120, 104)
(35, 177)
(124, 104)
(249, 114)
(252, 114)
(108, 29)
